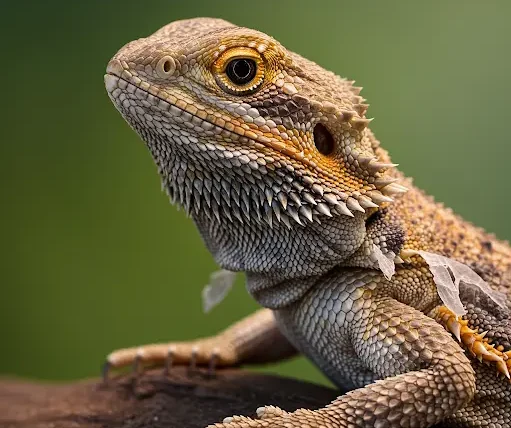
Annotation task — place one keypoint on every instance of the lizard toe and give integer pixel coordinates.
(268, 412)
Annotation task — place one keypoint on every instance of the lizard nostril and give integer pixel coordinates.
(323, 140)
(166, 67)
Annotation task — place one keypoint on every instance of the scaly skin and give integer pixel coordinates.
(286, 183)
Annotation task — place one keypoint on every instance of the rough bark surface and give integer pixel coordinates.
(181, 400)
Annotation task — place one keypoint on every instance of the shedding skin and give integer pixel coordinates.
(272, 158)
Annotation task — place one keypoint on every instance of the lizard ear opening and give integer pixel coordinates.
(323, 140)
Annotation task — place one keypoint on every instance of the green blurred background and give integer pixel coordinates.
(92, 255)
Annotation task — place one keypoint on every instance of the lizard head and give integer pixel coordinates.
(249, 136)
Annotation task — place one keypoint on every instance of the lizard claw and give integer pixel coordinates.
(212, 363)
(192, 366)
(137, 363)
(168, 361)
(105, 371)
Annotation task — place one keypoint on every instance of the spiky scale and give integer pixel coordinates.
(225, 186)
(268, 217)
(306, 212)
(375, 166)
(393, 189)
(228, 214)
(354, 205)
(348, 115)
(366, 202)
(472, 339)
(298, 187)
(215, 209)
(295, 198)
(293, 213)
(198, 184)
(365, 159)
(316, 188)
(282, 197)
(307, 197)
(360, 123)
(276, 210)
(309, 181)
(378, 198)
(245, 198)
(236, 213)
(323, 209)
(217, 196)
(330, 198)
(342, 208)
(502, 368)
(384, 181)
(269, 196)
(285, 219)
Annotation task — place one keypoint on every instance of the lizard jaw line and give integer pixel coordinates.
(112, 79)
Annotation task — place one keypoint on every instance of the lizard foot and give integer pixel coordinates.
(209, 352)
(476, 343)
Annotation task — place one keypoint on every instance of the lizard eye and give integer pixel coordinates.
(239, 71)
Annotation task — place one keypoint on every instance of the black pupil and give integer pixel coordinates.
(323, 140)
(241, 71)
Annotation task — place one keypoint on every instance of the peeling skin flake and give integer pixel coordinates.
(449, 274)
(385, 264)
(220, 283)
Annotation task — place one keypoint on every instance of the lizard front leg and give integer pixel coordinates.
(255, 339)
(425, 375)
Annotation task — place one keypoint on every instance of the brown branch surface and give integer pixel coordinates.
(181, 400)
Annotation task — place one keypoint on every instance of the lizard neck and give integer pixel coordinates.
(275, 293)
(278, 251)
(278, 269)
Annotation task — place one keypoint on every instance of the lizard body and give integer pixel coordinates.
(272, 158)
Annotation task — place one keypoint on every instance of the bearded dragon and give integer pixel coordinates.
(273, 159)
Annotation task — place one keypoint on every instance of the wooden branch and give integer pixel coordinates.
(180, 400)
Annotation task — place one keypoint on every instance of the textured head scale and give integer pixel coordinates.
(261, 135)
(253, 140)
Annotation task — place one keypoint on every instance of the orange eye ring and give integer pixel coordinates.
(239, 71)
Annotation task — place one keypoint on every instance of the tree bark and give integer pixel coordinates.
(181, 399)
